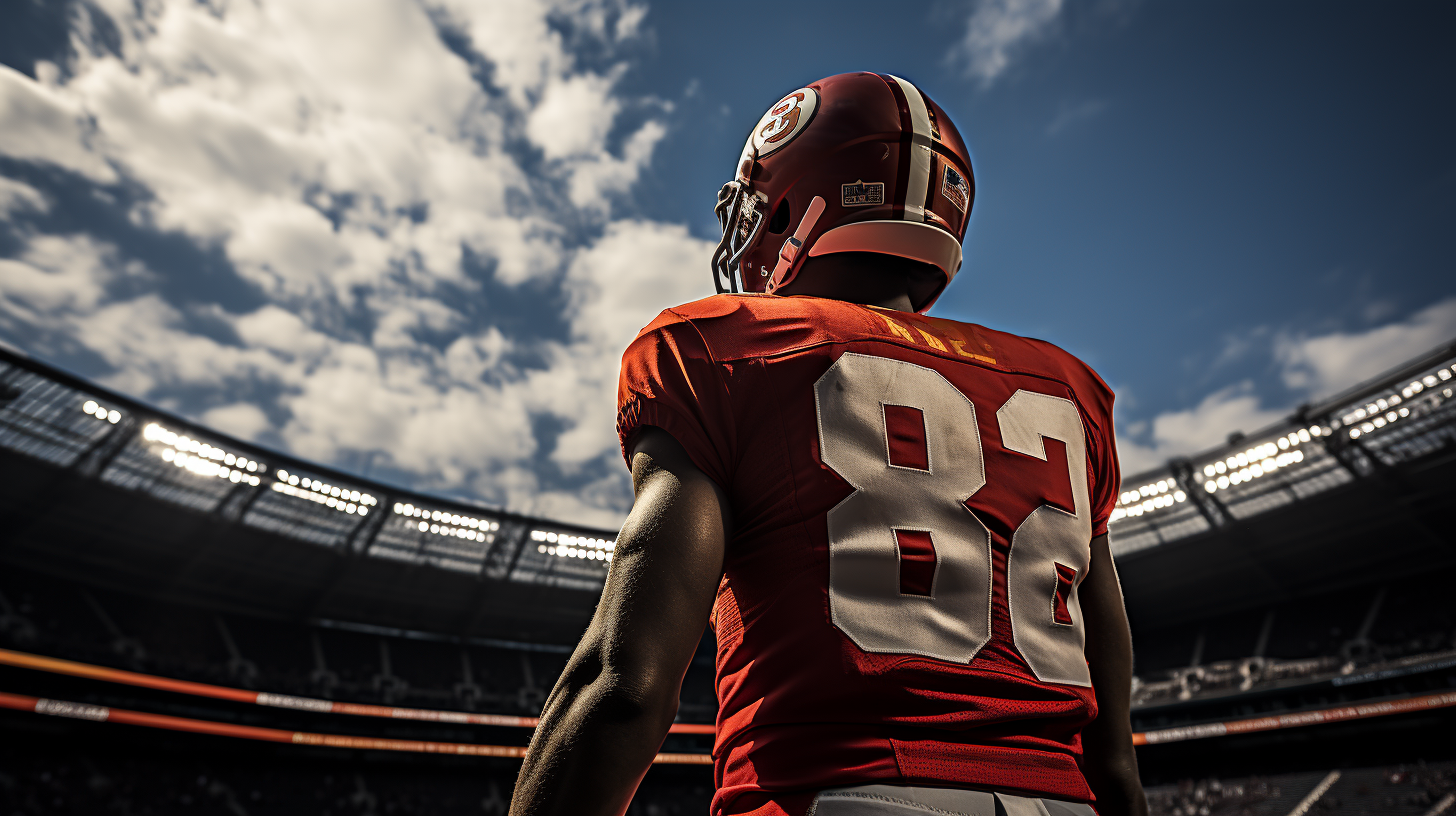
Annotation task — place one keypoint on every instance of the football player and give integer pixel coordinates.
(896, 524)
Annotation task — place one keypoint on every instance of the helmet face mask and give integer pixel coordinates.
(852, 163)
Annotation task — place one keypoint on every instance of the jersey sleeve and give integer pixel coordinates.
(670, 380)
(1106, 477)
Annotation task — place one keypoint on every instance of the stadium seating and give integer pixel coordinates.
(1284, 572)
(1416, 790)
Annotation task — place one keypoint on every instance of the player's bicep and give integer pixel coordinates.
(1109, 642)
(665, 568)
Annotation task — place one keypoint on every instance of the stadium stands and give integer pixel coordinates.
(1417, 790)
(1288, 571)
(151, 777)
(1395, 628)
(337, 660)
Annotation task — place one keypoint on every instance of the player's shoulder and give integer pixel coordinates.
(736, 326)
(1031, 355)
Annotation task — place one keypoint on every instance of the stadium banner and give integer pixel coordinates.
(311, 704)
(72, 668)
(83, 711)
(1383, 708)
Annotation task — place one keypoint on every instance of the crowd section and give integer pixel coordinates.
(1342, 635)
(152, 783)
(1417, 790)
(61, 619)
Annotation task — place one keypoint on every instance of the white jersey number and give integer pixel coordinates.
(907, 441)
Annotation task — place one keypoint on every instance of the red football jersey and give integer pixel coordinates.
(913, 501)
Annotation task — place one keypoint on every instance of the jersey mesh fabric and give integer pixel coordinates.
(801, 707)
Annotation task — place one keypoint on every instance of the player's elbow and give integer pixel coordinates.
(618, 705)
(623, 693)
(643, 696)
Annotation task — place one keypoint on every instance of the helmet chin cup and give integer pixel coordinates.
(791, 256)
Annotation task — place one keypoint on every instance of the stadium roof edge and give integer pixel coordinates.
(1309, 411)
(22, 359)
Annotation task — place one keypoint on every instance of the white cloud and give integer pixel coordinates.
(241, 419)
(600, 178)
(616, 287)
(55, 278)
(1324, 364)
(996, 29)
(16, 197)
(1310, 366)
(41, 126)
(1179, 433)
(345, 161)
(574, 115)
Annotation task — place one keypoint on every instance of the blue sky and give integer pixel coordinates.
(411, 239)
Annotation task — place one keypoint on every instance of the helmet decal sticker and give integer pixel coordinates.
(953, 186)
(862, 194)
(784, 121)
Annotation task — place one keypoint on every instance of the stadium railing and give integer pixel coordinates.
(69, 422)
(1397, 417)
(51, 415)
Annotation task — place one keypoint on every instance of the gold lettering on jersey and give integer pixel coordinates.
(898, 329)
(935, 341)
(932, 340)
(960, 349)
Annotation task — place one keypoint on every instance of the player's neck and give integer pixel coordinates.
(840, 277)
(899, 304)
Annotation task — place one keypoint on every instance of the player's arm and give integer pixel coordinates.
(610, 710)
(1109, 760)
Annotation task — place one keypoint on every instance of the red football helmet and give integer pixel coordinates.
(854, 163)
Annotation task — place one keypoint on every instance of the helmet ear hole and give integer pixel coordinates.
(780, 220)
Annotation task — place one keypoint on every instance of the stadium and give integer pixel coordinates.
(194, 622)
(326, 326)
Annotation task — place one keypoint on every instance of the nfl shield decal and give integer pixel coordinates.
(953, 186)
(863, 194)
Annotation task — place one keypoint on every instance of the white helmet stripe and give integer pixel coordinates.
(919, 182)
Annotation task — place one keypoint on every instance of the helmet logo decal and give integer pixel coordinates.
(862, 194)
(784, 121)
(953, 186)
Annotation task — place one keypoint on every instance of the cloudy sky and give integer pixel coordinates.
(410, 238)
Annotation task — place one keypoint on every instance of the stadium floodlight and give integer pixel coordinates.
(452, 525)
(567, 545)
(101, 412)
(197, 457)
(316, 491)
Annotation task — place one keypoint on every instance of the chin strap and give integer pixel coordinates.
(791, 256)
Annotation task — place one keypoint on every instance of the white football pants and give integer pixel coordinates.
(892, 800)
